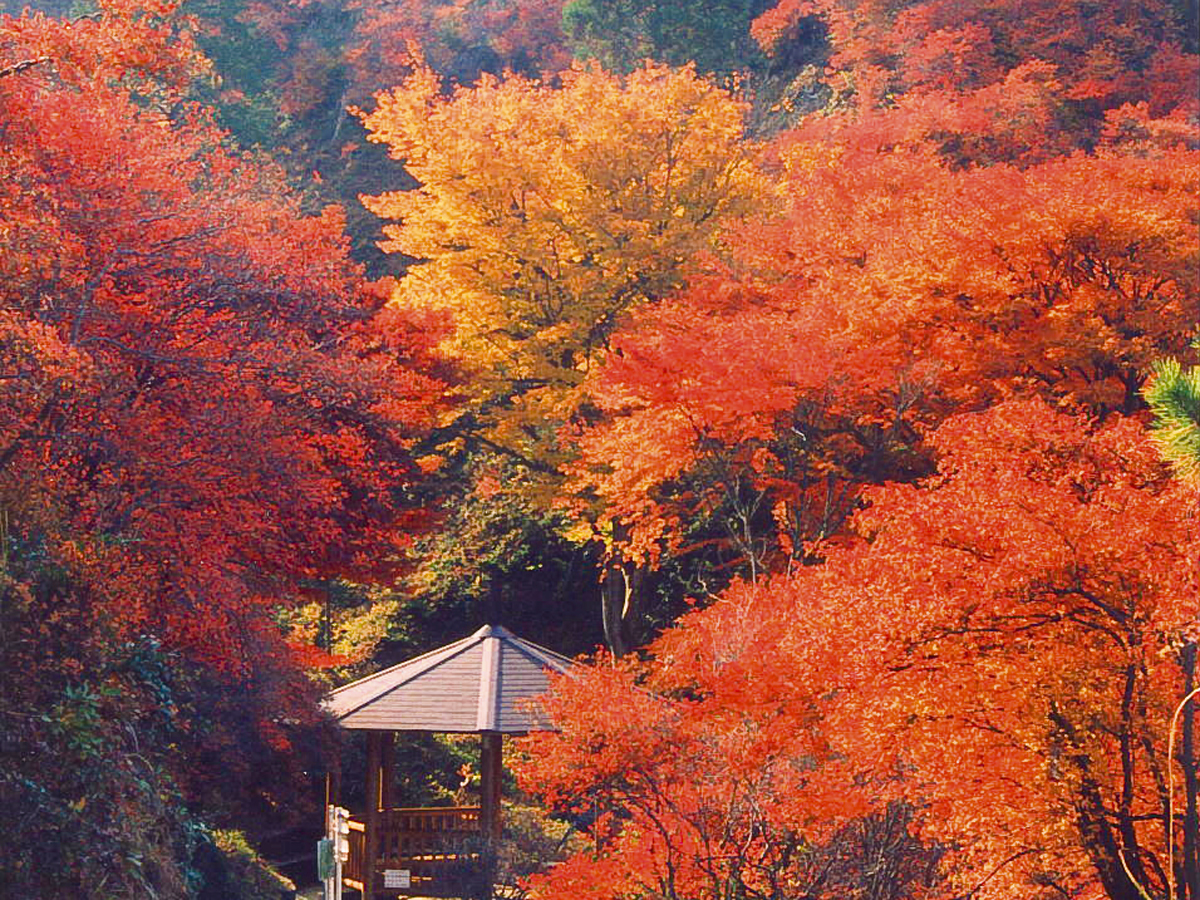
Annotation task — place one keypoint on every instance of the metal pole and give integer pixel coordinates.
(329, 880)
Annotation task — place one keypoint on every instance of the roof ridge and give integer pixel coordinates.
(489, 684)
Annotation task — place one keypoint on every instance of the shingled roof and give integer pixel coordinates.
(480, 683)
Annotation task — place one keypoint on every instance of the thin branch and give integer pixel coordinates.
(19, 67)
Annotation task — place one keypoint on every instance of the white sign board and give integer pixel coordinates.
(397, 878)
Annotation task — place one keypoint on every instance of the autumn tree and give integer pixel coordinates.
(544, 214)
(1001, 645)
(1174, 398)
(1000, 649)
(896, 290)
(690, 789)
(1105, 55)
(202, 413)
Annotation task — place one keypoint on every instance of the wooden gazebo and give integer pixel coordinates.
(482, 684)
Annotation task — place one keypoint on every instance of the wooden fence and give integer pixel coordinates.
(439, 847)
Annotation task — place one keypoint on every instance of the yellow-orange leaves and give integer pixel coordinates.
(544, 213)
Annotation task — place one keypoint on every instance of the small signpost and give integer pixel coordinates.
(333, 851)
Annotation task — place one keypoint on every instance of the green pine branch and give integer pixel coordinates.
(1174, 398)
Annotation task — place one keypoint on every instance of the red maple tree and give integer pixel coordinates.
(207, 408)
(1003, 646)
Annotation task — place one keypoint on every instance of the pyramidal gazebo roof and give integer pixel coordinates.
(480, 683)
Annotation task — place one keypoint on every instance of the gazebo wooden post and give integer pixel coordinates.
(387, 767)
(371, 819)
(491, 750)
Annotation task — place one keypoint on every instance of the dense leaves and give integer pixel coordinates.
(896, 289)
(621, 34)
(537, 225)
(957, 296)
(1003, 643)
(186, 347)
(870, 394)
(1174, 396)
(200, 412)
(1106, 54)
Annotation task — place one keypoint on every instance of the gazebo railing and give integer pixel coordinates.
(355, 866)
(431, 844)
(408, 834)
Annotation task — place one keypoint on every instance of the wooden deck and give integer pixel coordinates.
(439, 847)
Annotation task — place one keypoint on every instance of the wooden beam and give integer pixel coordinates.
(490, 769)
(371, 819)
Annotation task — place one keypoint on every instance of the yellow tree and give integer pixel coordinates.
(543, 214)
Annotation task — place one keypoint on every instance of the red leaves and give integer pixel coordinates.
(895, 290)
(205, 414)
(129, 41)
(1014, 603)
(982, 639)
(683, 792)
(1106, 52)
(955, 284)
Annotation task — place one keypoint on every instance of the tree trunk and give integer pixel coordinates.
(1099, 839)
(620, 597)
(1191, 781)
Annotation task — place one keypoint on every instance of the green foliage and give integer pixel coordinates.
(499, 555)
(114, 753)
(533, 841)
(243, 89)
(1174, 398)
(280, 85)
(85, 784)
(621, 34)
(86, 724)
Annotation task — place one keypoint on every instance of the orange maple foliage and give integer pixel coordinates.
(1003, 646)
(978, 263)
(896, 290)
(137, 42)
(1105, 54)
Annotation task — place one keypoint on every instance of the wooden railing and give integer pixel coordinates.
(423, 834)
(355, 866)
(437, 846)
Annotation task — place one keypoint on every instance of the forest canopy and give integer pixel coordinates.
(832, 363)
